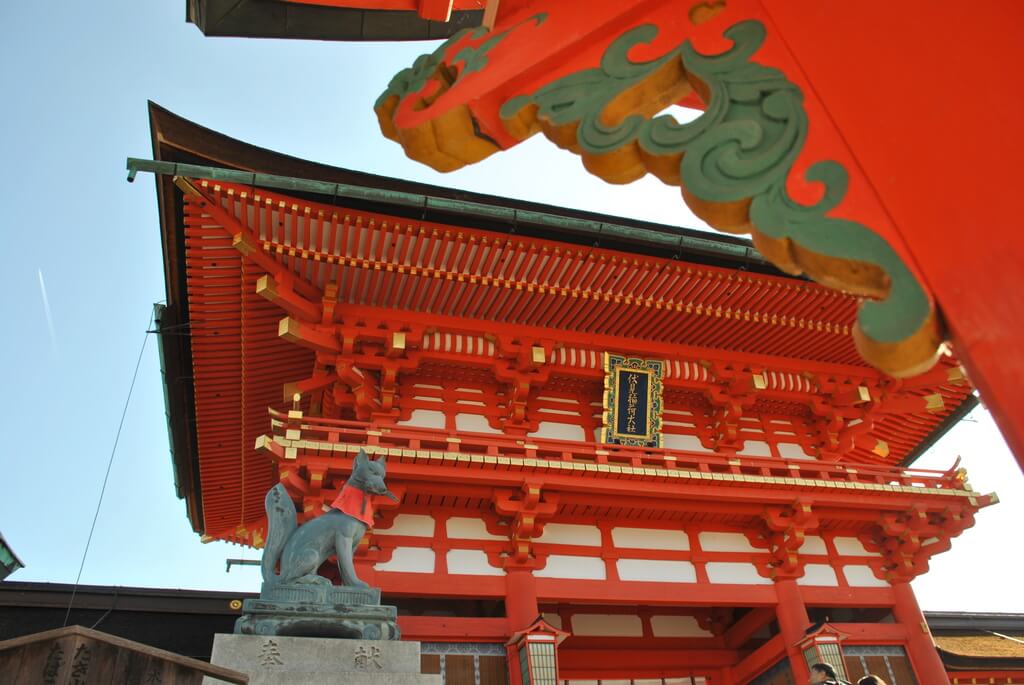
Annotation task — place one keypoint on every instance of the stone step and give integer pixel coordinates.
(337, 657)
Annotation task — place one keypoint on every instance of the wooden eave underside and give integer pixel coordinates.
(239, 364)
(386, 263)
(359, 20)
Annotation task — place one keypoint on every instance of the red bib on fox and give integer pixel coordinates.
(355, 503)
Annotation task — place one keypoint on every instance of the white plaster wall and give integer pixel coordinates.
(739, 573)
(851, 547)
(472, 562)
(559, 412)
(416, 525)
(677, 626)
(461, 528)
(424, 418)
(650, 538)
(676, 413)
(578, 568)
(756, 448)
(474, 423)
(617, 625)
(791, 450)
(559, 431)
(656, 570)
(725, 542)
(818, 574)
(409, 560)
(688, 443)
(813, 544)
(862, 576)
(571, 534)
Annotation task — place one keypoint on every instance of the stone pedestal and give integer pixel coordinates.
(318, 610)
(319, 661)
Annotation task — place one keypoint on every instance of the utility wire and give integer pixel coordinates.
(104, 616)
(110, 463)
(1005, 637)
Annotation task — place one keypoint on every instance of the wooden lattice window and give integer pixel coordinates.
(890, 662)
(465, 663)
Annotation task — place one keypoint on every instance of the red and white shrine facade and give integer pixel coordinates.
(319, 311)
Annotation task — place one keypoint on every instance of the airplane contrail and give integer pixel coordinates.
(46, 309)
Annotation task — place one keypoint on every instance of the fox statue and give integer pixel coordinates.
(300, 550)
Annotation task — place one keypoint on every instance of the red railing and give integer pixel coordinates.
(410, 438)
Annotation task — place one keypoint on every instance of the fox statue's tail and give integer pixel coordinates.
(280, 525)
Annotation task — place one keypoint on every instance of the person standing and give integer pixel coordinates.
(825, 674)
(871, 680)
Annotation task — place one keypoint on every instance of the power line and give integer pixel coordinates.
(110, 463)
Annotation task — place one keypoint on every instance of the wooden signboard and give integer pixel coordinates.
(79, 655)
(632, 401)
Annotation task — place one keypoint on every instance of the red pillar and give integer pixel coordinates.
(793, 623)
(520, 598)
(521, 609)
(927, 664)
(720, 677)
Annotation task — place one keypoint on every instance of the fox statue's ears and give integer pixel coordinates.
(362, 459)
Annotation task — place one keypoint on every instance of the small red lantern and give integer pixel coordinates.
(533, 654)
(823, 645)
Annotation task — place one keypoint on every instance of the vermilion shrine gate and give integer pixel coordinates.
(472, 341)
(416, 325)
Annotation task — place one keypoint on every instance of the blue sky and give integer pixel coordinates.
(76, 78)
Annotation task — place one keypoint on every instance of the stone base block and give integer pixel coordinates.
(300, 619)
(286, 660)
(319, 593)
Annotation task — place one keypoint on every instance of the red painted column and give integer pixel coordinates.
(521, 609)
(927, 664)
(793, 623)
(720, 677)
(520, 598)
